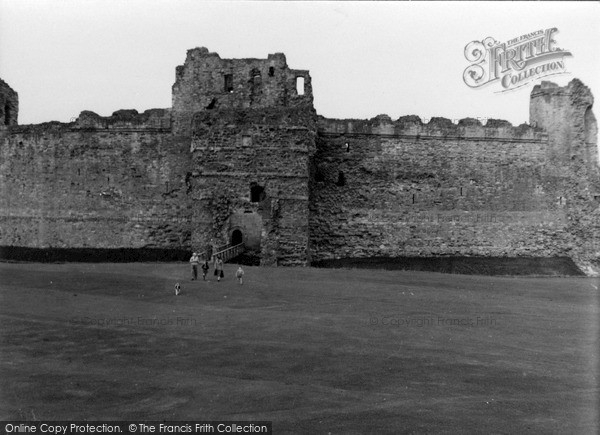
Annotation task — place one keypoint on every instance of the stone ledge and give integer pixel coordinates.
(252, 174)
(303, 150)
(542, 139)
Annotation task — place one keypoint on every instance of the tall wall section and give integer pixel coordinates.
(403, 188)
(252, 124)
(116, 182)
(566, 114)
(251, 174)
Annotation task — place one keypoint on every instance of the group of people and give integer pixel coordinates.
(195, 261)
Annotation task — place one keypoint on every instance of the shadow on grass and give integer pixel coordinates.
(92, 255)
(246, 259)
(546, 266)
(549, 266)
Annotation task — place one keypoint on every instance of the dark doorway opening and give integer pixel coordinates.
(236, 237)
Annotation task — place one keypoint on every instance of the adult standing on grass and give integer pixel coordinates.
(219, 268)
(194, 262)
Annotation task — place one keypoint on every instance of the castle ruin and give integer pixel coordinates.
(242, 156)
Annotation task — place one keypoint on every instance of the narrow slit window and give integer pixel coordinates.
(271, 71)
(228, 83)
(7, 115)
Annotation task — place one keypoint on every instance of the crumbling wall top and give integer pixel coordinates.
(578, 92)
(207, 82)
(9, 105)
(151, 119)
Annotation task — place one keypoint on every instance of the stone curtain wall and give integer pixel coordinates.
(100, 183)
(267, 149)
(242, 154)
(383, 188)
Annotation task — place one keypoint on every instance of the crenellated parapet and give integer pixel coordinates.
(412, 126)
(153, 119)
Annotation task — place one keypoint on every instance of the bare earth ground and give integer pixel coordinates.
(313, 350)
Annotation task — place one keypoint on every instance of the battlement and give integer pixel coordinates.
(413, 126)
(152, 119)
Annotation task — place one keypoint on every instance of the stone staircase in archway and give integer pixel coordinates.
(227, 252)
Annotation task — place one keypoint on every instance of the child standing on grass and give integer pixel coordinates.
(240, 274)
(205, 268)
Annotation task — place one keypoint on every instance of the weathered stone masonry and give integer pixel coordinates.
(252, 138)
(99, 182)
(242, 155)
(263, 150)
(9, 105)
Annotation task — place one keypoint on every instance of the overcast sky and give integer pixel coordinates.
(365, 58)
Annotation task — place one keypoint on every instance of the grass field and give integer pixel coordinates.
(313, 350)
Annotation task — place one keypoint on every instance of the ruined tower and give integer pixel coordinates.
(566, 115)
(9, 105)
(252, 127)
